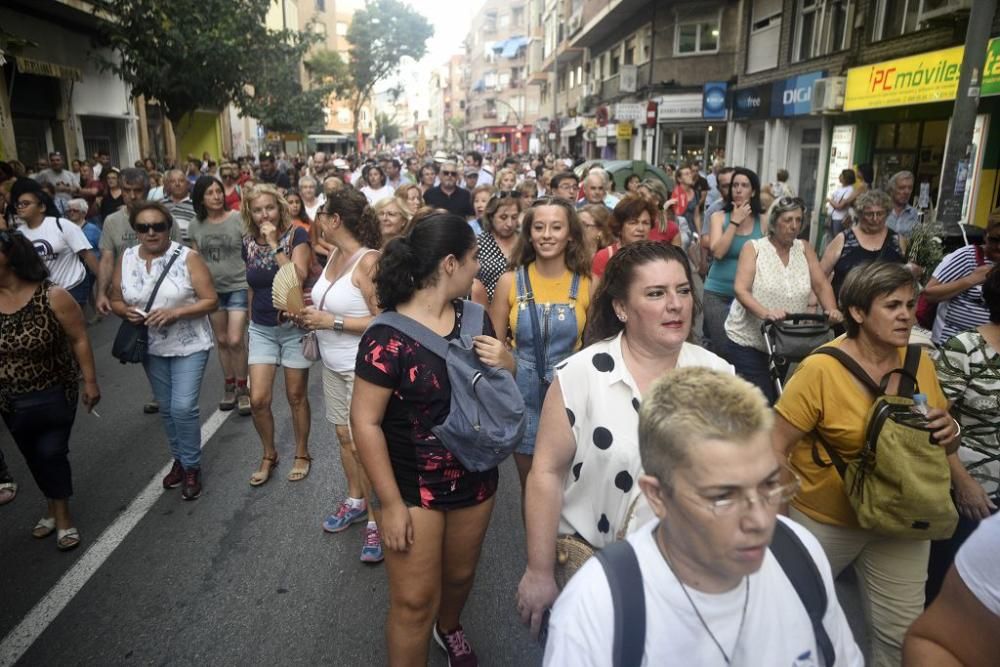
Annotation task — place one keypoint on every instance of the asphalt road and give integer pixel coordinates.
(242, 576)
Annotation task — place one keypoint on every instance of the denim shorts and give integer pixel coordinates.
(277, 346)
(236, 300)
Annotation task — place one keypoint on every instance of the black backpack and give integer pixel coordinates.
(624, 577)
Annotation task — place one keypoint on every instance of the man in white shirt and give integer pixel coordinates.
(713, 589)
(178, 201)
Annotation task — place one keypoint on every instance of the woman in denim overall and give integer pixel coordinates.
(543, 304)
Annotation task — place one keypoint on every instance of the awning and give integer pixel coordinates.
(570, 129)
(335, 138)
(479, 86)
(40, 68)
(513, 45)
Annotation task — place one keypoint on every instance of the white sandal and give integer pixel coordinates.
(45, 527)
(8, 491)
(68, 539)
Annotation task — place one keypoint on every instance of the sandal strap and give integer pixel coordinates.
(304, 458)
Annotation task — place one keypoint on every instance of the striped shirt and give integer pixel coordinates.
(183, 213)
(969, 371)
(966, 310)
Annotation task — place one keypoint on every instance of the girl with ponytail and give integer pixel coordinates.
(421, 492)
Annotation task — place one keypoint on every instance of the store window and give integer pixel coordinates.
(687, 144)
(697, 34)
(916, 146)
(821, 27)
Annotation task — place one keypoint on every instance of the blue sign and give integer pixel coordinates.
(752, 102)
(793, 97)
(713, 100)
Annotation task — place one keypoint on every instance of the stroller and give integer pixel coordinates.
(790, 340)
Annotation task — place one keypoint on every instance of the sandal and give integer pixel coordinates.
(261, 476)
(69, 539)
(45, 527)
(298, 474)
(8, 491)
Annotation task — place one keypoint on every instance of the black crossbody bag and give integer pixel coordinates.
(132, 340)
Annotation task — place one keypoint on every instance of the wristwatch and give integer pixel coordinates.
(280, 249)
(338, 324)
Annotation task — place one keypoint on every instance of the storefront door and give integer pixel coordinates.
(916, 146)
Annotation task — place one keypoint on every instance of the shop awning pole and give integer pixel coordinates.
(959, 153)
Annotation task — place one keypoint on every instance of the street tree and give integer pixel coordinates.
(200, 54)
(381, 35)
(386, 128)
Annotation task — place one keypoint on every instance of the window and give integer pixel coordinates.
(765, 34)
(320, 5)
(645, 41)
(341, 29)
(613, 62)
(517, 17)
(490, 79)
(697, 34)
(821, 27)
(899, 17)
(504, 21)
(628, 51)
(319, 28)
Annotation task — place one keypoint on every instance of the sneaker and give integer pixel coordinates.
(228, 401)
(175, 477)
(151, 408)
(192, 484)
(344, 517)
(371, 551)
(460, 654)
(243, 402)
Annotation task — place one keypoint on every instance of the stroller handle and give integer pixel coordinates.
(800, 317)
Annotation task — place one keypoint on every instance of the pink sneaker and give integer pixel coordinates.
(454, 643)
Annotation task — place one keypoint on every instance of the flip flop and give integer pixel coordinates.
(68, 539)
(8, 491)
(45, 527)
(297, 475)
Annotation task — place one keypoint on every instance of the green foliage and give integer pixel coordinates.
(205, 54)
(327, 68)
(925, 247)
(386, 127)
(381, 35)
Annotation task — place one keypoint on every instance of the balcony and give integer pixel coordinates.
(606, 22)
(490, 113)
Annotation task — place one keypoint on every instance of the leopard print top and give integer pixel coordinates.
(35, 352)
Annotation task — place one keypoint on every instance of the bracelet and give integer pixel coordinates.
(959, 427)
(338, 324)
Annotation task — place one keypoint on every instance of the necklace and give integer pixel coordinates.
(701, 619)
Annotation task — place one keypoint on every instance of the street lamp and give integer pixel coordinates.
(517, 116)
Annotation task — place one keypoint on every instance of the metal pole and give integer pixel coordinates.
(958, 155)
(555, 82)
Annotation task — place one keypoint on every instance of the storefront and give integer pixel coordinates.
(684, 135)
(899, 113)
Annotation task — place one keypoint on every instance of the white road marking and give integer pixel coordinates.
(20, 639)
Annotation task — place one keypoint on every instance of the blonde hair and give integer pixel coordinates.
(690, 405)
(403, 207)
(252, 194)
(502, 173)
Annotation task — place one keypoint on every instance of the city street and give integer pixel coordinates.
(241, 576)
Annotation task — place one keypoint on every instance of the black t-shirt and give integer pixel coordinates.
(276, 179)
(427, 473)
(459, 202)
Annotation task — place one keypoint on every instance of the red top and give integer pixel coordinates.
(601, 257)
(667, 235)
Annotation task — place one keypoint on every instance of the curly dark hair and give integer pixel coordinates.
(410, 262)
(357, 215)
(22, 258)
(198, 194)
(602, 322)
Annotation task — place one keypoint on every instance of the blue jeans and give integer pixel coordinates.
(715, 307)
(176, 383)
(753, 366)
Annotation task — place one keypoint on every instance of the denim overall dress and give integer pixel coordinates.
(557, 339)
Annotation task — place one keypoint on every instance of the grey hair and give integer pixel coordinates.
(78, 204)
(599, 172)
(898, 176)
(777, 209)
(133, 175)
(307, 179)
(873, 198)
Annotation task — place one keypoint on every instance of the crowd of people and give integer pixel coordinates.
(626, 309)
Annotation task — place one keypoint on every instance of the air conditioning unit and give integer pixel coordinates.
(936, 9)
(828, 94)
(575, 23)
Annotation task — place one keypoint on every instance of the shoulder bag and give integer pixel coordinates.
(132, 339)
(310, 342)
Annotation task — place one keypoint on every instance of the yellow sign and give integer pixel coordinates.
(625, 130)
(920, 79)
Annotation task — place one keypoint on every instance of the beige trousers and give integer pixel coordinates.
(891, 576)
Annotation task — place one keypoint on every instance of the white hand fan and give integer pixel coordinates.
(286, 290)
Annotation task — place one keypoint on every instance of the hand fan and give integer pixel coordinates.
(286, 290)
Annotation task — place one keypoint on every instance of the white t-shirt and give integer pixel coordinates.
(777, 630)
(312, 210)
(978, 565)
(602, 399)
(374, 195)
(59, 250)
(838, 196)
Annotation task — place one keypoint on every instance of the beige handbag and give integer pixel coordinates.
(573, 551)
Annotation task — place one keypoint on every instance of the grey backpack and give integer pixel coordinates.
(486, 419)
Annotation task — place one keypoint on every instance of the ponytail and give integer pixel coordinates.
(357, 216)
(410, 262)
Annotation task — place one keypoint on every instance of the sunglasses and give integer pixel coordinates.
(154, 228)
(449, 173)
(791, 201)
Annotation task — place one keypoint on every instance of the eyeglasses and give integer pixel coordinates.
(154, 228)
(448, 173)
(24, 203)
(873, 215)
(770, 494)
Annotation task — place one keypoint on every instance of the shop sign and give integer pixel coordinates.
(589, 123)
(713, 100)
(841, 154)
(921, 79)
(991, 70)
(793, 97)
(678, 107)
(40, 68)
(650, 114)
(630, 111)
(624, 130)
(752, 102)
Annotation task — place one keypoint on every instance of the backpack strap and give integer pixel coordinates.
(801, 570)
(908, 381)
(854, 367)
(472, 314)
(625, 580)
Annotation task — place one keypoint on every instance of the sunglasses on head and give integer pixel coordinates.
(785, 202)
(154, 228)
(548, 200)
